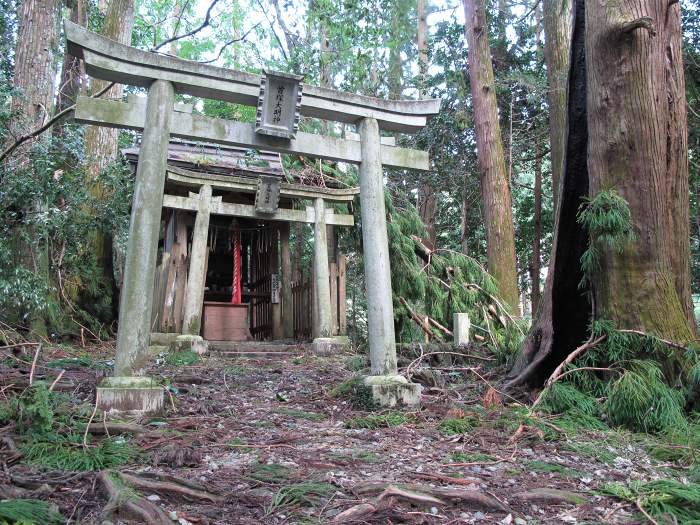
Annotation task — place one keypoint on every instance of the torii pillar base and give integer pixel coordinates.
(393, 390)
(129, 396)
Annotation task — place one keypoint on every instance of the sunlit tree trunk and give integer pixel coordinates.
(557, 50)
(495, 187)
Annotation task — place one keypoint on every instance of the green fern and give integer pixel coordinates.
(68, 453)
(641, 400)
(664, 499)
(28, 512)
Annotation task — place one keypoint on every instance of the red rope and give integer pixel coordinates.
(236, 295)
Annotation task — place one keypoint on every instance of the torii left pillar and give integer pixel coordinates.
(129, 391)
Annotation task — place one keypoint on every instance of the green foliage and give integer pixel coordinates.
(455, 426)
(641, 400)
(32, 411)
(269, 473)
(448, 283)
(473, 457)
(59, 452)
(608, 219)
(566, 398)
(553, 468)
(307, 493)
(666, 500)
(390, 419)
(28, 512)
(182, 358)
(301, 414)
(355, 392)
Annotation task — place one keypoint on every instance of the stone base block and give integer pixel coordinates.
(195, 343)
(330, 345)
(163, 339)
(158, 349)
(393, 391)
(129, 396)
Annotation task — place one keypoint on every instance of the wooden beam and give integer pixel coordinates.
(115, 62)
(246, 210)
(250, 185)
(231, 133)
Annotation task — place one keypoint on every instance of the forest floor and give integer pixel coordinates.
(268, 441)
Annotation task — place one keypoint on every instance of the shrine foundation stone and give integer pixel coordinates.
(393, 390)
(129, 395)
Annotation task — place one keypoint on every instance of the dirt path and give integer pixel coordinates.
(265, 433)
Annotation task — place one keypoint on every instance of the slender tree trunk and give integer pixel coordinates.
(422, 44)
(101, 144)
(535, 262)
(495, 188)
(427, 198)
(558, 25)
(638, 144)
(395, 63)
(72, 74)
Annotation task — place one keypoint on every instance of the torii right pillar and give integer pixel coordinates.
(388, 387)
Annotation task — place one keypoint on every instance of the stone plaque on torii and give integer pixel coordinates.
(163, 76)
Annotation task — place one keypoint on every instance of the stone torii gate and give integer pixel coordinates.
(278, 116)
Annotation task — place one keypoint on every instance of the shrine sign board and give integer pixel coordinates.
(278, 105)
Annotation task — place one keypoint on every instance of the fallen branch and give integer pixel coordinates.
(31, 371)
(558, 371)
(108, 427)
(417, 318)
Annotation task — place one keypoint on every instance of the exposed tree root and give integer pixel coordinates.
(124, 499)
(127, 503)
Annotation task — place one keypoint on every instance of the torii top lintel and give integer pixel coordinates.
(115, 62)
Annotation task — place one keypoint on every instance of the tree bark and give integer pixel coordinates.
(535, 262)
(638, 144)
(562, 320)
(101, 144)
(495, 187)
(626, 109)
(427, 209)
(422, 45)
(37, 42)
(558, 25)
(72, 74)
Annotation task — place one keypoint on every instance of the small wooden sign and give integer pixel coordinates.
(279, 105)
(267, 197)
(274, 288)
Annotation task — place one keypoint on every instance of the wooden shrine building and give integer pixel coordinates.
(241, 214)
(251, 290)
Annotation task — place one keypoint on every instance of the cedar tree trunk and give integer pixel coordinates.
(495, 188)
(638, 144)
(626, 114)
(101, 145)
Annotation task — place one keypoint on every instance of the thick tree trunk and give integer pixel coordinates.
(627, 100)
(638, 144)
(563, 316)
(101, 144)
(535, 264)
(34, 74)
(557, 54)
(495, 187)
